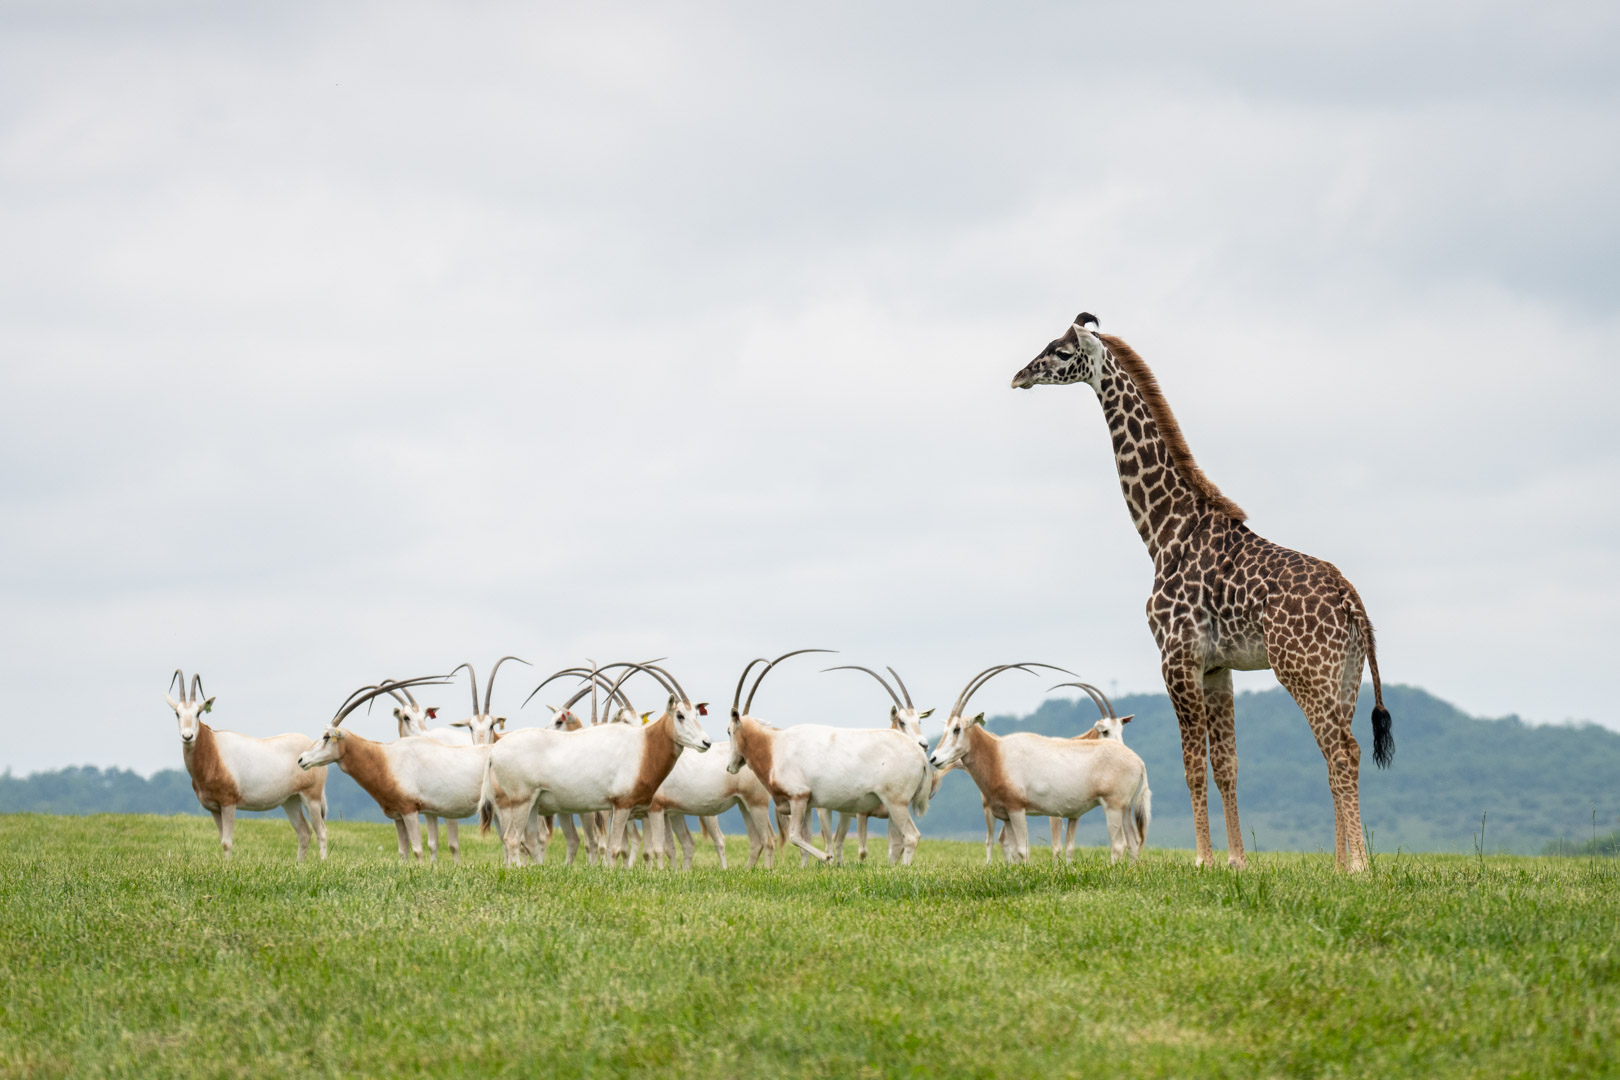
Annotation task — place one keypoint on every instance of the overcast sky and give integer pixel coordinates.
(339, 342)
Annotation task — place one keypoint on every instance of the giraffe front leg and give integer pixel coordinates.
(1223, 761)
(1183, 680)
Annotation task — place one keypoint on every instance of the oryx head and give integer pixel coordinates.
(1110, 725)
(958, 728)
(330, 746)
(483, 721)
(903, 715)
(413, 718)
(1077, 356)
(189, 709)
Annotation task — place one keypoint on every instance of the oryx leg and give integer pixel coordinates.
(1019, 824)
(295, 814)
(226, 820)
(658, 845)
(860, 837)
(683, 836)
(453, 829)
(711, 828)
(432, 835)
(799, 829)
(617, 843)
(838, 839)
(315, 811)
(413, 833)
(903, 834)
(1117, 831)
(404, 841)
(761, 841)
(571, 839)
(1068, 839)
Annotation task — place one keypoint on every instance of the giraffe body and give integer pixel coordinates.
(1225, 598)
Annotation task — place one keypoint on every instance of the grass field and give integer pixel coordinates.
(127, 947)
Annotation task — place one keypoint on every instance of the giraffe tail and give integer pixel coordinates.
(1383, 737)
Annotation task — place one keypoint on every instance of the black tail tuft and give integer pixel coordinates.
(1383, 739)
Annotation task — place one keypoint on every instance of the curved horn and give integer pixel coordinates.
(196, 687)
(902, 686)
(489, 687)
(582, 672)
(875, 675)
(1104, 706)
(749, 704)
(385, 684)
(655, 672)
(736, 699)
(473, 675)
(989, 673)
(180, 675)
(366, 693)
(679, 690)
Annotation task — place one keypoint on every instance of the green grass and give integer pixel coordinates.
(129, 948)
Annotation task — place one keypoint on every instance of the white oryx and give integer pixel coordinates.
(903, 718)
(849, 770)
(564, 719)
(480, 730)
(414, 775)
(613, 767)
(1110, 725)
(230, 771)
(1024, 773)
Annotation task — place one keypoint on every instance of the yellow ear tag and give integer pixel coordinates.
(644, 717)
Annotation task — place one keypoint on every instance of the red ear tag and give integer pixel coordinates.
(433, 713)
(703, 710)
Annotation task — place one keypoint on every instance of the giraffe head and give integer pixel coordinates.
(1077, 356)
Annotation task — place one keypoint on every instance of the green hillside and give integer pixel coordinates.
(1536, 785)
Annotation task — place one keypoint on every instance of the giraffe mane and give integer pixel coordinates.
(1169, 430)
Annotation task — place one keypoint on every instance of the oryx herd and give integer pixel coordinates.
(621, 765)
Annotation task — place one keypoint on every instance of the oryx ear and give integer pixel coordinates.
(173, 704)
(432, 713)
(338, 733)
(500, 721)
(672, 703)
(208, 706)
(734, 713)
(1127, 719)
(925, 714)
(702, 707)
(978, 720)
(461, 723)
(894, 713)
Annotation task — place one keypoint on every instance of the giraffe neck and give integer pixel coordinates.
(1164, 506)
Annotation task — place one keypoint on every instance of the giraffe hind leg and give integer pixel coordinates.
(1320, 695)
(1223, 760)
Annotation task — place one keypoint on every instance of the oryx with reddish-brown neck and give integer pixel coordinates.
(904, 718)
(849, 770)
(412, 776)
(615, 767)
(1024, 773)
(230, 771)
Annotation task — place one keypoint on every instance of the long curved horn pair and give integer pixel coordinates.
(991, 672)
(881, 681)
(366, 693)
(409, 698)
(749, 704)
(1098, 698)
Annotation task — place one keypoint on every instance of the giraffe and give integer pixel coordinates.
(1225, 598)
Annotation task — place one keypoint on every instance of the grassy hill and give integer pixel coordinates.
(1536, 785)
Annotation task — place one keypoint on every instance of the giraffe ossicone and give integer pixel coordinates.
(1225, 598)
